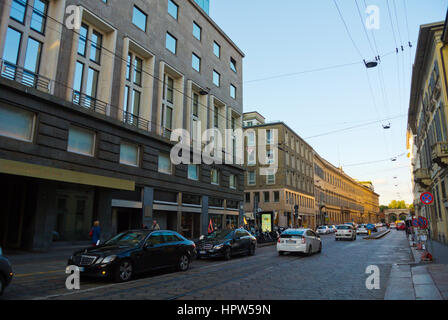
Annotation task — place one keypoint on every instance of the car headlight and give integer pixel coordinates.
(100, 259)
(218, 247)
(109, 259)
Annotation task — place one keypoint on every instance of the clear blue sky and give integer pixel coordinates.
(291, 36)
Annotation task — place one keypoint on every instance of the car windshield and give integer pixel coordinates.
(343, 227)
(221, 234)
(132, 239)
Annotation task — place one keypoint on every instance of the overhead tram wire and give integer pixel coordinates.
(372, 162)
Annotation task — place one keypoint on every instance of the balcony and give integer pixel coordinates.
(27, 78)
(440, 153)
(422, 177)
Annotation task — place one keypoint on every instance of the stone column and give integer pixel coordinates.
(147, 206)
(204, 215)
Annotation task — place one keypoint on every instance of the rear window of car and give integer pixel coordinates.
(343, 227)
(292, 234)
(322, 228)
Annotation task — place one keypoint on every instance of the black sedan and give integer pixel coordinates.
(5, 272)
(226, 243)
(133, 252)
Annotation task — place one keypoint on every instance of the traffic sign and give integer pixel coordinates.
(427, 198)
(423, 222)
(415, 223)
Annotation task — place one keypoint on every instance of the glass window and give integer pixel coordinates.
(164, 163)
(18, 10)
(215, 176)
(38, 19)
(170, 90)
(92, 82)
(81, 141)
(216, 78)
(217, 49)
(32, 57)
(232, 181)
(233, 64)
(172, 9)
(197, 31)
(138, 65)
(251, 177)
(78, 76)
(276, 196)
(171, 43)
(195, 104)
(266, 196)
(232, 91)
(13, 39)
(16, 123)
(196, 63)
(193, 172)
(129, 154)
(82, 43)
(95, 49)
(139, 18)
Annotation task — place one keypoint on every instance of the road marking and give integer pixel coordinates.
(35, 273)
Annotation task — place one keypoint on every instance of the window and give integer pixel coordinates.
(251, 139)
(38, 19)
(197, 31)
(13, 38)
(164, 165)
(81, 141)
(173, 9)
(139, 19)
(82, 40)
(217, 49)
(247, 197)
(168, 106)
(232, 182)
(18, 10)
(171, 43)
(16, 123)
(216, 78)
(266, 196)
(251, 156)
(270, 156)
(133, 89)
(233, 64)
(232, 91)
(251, 178)
(216, 117)
(270, 178)
(215, 176)
(129, 154)
(96, 42)
(196, 63)
(193, 172)
(276, 196)
(32, 62)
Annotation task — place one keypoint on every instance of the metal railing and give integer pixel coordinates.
(27, 78)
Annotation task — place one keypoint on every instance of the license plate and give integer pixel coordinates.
(202, 252)
(290, 241)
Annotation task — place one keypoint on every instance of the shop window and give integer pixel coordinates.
(164, 164)
(81, 141)
(129, 154)
(16, 123)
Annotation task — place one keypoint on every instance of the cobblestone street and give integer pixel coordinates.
(337, 273)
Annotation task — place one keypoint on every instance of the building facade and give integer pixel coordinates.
(340, 198)
(427, 126)
(90, 93)
(290, 185)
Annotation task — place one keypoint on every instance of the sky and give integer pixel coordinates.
(301, 67)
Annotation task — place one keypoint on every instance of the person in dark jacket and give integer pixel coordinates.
(96, 233)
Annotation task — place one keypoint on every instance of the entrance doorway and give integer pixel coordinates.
(128, 219)
(191, 225)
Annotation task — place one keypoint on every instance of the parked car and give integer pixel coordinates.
(226, 243)
(345, 231)
(401, 225)
(323, 230)
(393, 225)
(6, 273)
(135, 251)
(362, 229)
(299, 240)
(354, 225)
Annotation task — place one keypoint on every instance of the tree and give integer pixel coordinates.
(394, 204)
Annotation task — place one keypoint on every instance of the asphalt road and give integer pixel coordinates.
(339, 272)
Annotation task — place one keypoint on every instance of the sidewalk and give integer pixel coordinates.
(421, 280)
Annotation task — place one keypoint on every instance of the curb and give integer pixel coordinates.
(378, 236)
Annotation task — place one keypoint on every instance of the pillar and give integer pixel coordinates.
(204, 215)
(147, 206)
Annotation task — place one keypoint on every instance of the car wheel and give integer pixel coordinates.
(2, 284)
(280, 253)
(252, 250)
(184, 263)
(227, 254)
(124, 271)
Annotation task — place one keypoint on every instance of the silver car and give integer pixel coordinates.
(299, 240)
(345, 231)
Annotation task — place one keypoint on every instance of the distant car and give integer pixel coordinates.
(135, 251)
(354, 225)
(323, 230)
(299, 240)
(6, 273)
(392, 225)
(362, 229)
(333, 228)
(345, 231)
(401, 226)
(226, 243)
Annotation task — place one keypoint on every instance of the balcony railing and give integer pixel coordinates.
(440, 153)
(27, 78)
(422, 177)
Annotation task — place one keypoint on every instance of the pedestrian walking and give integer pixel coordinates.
(95, 233)
(155, 226)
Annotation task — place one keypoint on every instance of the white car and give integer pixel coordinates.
(323, 230)
(362, 229)
(299, 240)
(393, 226)
(345, 231)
